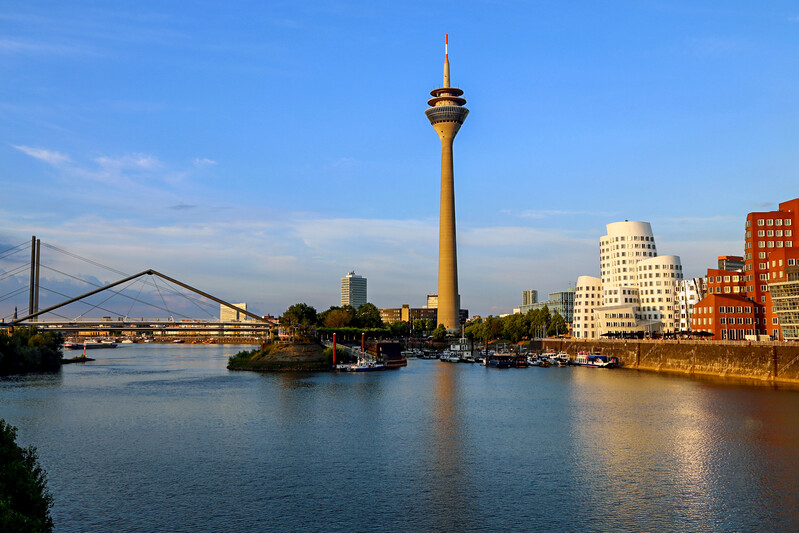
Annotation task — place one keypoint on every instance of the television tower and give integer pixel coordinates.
(446, 113)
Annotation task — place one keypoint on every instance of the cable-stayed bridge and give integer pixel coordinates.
(81, 303)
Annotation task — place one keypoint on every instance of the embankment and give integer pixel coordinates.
(765, 361)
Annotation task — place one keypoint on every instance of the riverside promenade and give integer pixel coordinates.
(765, 361)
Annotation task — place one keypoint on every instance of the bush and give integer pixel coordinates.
(24, 500)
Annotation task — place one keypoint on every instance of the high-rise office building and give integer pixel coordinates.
(226, 314)
(529, 297)
(446, 114)
(353, 290)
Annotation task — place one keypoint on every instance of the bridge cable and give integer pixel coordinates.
(144, 302)
(141, 287)
(162, 298)
(18, 248)
(14, 272)
(196, 301)
(85, 303)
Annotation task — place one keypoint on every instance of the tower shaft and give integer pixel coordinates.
(448, 305)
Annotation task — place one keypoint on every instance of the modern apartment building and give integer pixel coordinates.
(353, 290)
(587, 297)
(638, 287)
(768, 246)
(689, 292)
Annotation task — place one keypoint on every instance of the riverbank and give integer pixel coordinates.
(762, 361)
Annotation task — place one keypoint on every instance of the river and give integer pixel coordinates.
(164, 438)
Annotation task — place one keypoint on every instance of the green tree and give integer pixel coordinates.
(514, 327)
(400, 329)
(368, 316)
(24, 499)
(338, 318)
(557, 326)
(440, 333)
(299, 317)
(419, 327)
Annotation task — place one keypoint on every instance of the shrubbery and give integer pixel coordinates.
(24, 500)
(28, 350)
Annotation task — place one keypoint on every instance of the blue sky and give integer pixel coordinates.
(260, 150)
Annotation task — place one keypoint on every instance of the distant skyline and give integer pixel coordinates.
(262, 151)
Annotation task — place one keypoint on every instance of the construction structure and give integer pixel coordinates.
(446, 114)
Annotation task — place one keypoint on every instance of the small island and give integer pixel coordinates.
(284, 357)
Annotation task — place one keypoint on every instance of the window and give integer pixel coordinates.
(760, 222)
(788, 233)
(778, 222)
(769, 222)
(761, 233)
(779, 233)
(762, 255)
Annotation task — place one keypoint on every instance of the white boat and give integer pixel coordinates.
(449, 357)
(596, 360)
(465, 350)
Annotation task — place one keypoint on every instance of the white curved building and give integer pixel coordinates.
(588, 296)
(658, 278)
(637, 288)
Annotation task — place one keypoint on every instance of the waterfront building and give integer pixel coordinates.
(725, 316)
(783, 286)
(689, 293)
(226, 314)
(529, 297)
(731, 262)
(634, 281)
(406, 313)
(767, 233)
(353, 290)
(587, 297)
(447, 114)
(561, 302)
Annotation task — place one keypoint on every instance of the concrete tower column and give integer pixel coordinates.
(446, 115)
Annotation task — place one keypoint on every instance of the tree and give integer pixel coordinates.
(24, 499)
(558, 325)
(368, 316)
(337, 318)
(419, 327)
(440, 333)
(299, 317)
(399, 329)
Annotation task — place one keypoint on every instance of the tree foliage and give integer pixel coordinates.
(440, 333)
(368, 316)
(24, 500)
(28, 350)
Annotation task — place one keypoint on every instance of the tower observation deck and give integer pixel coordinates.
(446, 114)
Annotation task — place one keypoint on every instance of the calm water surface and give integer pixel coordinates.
(164, 438)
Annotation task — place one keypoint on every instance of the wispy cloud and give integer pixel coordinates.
(182, 207)
(48, 156)
(203, 162)
(538, 214)
(19, 46)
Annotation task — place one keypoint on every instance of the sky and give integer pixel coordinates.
(261, 150)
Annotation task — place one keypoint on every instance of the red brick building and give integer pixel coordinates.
(726, 316)
(767, 233)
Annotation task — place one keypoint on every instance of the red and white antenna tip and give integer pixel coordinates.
(446, 47)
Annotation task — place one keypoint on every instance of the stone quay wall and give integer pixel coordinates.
(766, 361)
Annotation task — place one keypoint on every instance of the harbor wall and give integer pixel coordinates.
(766, 361)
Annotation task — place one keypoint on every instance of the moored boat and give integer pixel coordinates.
(596, 360)
(500, 360)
